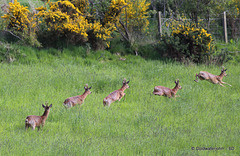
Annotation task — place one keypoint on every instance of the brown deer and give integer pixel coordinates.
(37, 121)
(73, 101)
(167, 92)
(215, 79)
(116, 95)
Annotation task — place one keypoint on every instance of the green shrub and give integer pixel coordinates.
(188, 42)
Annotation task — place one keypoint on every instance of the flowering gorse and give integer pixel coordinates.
(17, 17)
(195, 36)
(135, 15)
(64, 19)
(187, 41)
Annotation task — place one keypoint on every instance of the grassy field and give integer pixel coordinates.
(205, 115)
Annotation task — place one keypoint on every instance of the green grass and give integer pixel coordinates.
(205, 115)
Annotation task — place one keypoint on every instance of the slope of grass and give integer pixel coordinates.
(205, 115)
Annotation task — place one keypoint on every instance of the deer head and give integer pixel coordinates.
(177, 85)
(46, 107)
(223, 72)
(87, 90)
(125, 83)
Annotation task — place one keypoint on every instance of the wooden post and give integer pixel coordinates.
(160, 23)
(225, 26)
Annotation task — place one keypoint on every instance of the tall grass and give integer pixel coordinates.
(205, 115)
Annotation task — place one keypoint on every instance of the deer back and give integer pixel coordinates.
(117, 94)
(162, 90)
(33, 119)
(203, 75)
(72, 101)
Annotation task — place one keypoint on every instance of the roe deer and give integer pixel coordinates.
(116, 95)
(72, 101)
(37, 121)
(164, 91)
(215, 79)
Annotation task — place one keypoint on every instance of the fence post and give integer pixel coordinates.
(160, 23)
(225, 26)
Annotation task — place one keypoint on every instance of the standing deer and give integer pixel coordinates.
(215, 79)
(116, 95)
(164, 91)
(72, 101)
(37, 121)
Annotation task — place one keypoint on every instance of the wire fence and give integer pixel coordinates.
(214, 26)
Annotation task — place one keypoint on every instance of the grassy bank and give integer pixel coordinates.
(205, 115)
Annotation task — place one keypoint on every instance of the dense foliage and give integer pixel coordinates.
(125, 23)
(189, 42)
(71, 22)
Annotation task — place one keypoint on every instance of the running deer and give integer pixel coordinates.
(72, 101)
(164, 91)
(37, 121)
(215, 79)
(116, 95)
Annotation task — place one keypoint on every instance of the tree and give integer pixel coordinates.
(133, 20)
(196, 8)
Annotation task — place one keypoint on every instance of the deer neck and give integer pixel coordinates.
(84, 95)
(175, 89)
(45, 114)
(220, 77)
(123, 88)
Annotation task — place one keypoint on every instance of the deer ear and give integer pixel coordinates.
(90, 87)
(50, 106)
(225, 70)
(43, 106)
(127, 82)
(85, 88)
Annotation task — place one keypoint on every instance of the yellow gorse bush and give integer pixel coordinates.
(114, 11)
(17, 17)
(63, 17)
(68, 17)
(136, 13)
(104, 30)
(197, 36)
(188, 40)
(82, 5)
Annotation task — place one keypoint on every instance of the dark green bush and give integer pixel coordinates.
(187, 43)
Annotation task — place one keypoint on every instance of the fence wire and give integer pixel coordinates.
(214, 26)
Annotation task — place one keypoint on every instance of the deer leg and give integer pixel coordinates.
(177, 95)
(221, 84)
(106, 103)
(33, 127)
(26, 126)
(225, 83)
(169, 95)
(197, 78)
(38, 128)
(158, 93)
(121, 95)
